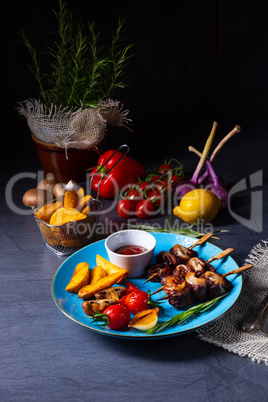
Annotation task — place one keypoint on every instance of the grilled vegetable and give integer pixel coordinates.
(114, 317)
(91, 307)
(114, 293)
(144, 320)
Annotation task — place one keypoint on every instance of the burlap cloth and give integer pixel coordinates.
(226, 332)
(68, 127)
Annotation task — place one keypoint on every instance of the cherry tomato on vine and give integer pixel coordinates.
(156, 196)
(126, 208)
(135, 195)
(144, 186)
(118, 315)
(164, 169)
(144, 209)
(175, 179)
(155, 178)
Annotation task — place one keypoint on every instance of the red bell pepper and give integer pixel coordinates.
(127, 171)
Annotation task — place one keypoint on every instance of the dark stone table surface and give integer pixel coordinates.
(46, 356)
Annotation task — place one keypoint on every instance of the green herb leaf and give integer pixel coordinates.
(185, 315)
(101, 318)
(83, 71)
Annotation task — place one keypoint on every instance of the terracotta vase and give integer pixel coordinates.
(53, 160)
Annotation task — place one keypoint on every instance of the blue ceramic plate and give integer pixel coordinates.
(70, 304)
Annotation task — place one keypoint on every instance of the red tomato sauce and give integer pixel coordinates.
(130, 250)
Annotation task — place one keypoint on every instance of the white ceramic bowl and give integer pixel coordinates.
(135, 264)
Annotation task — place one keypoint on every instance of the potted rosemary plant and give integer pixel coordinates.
(70, 116)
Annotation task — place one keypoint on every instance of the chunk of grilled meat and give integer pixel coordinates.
(172, 285)
(217, 284)
(181, 297)
(181, 271)
(157, 271)
(199, 286)
(199, 266)
(91, 307)
(182, 253)
(114, 293)
(166, 258)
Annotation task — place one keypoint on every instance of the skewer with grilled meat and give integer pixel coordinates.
(166, 258)
(181, 271)
(198, 286)
(179, 294)
(178, 254)
(169, 259)
(182, 254)
(217, 284)
(155, 272)
(199, 266)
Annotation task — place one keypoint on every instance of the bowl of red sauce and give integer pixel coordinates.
(131, 249)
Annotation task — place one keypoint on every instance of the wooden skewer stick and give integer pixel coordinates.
(238, 270)
(235, 271)
(224, 253)
(162, 298)
(150, 277)
(200, 241)
(158, 290)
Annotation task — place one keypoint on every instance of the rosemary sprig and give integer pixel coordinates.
(83, 72)
(184, 316)
(186, 231)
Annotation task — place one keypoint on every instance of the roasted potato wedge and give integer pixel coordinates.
(81, 193)
(79, 279)
(109, 267)
(89, 291)
(65, 215)
(71, 199)
(45, 212)
(96, 274)
(80, 266)
(83, 202)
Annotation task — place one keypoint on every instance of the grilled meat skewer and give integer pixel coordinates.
(197, 265)
(178, 254)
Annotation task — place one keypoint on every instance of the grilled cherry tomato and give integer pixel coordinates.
(144, 209)
(136, 301)
(118, 315)
(126, 208)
